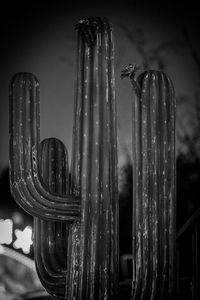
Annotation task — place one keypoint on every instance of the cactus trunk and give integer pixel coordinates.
(153, 187)
(94, 167)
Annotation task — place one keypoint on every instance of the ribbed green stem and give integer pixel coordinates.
(153, 187)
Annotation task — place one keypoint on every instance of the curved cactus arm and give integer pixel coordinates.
(153, 187)
(94, 166)
(51, 268)
(25, 180)
(51, 247)
(52, 262)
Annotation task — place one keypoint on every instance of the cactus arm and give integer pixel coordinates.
(51, 238)
(24, 138)
(51, 262)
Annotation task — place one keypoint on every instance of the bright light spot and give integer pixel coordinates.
(24, 239)
(1, 250)
(6, 227)
(17, 218)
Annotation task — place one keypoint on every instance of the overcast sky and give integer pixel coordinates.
(42, 40)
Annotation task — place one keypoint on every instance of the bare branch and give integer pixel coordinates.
(193, 52)
(136, 37)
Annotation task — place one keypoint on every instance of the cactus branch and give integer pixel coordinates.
(51, 239)
(25, 181)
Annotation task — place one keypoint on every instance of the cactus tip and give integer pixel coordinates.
(87, 27)
(82, 22)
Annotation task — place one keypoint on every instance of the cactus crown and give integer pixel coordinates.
(88, 27)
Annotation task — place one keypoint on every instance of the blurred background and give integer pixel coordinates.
(41, 39)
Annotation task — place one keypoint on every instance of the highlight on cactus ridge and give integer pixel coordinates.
(153, 126)
(76, 222)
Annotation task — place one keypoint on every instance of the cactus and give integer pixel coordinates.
(153, 185)
(76, 216)
(25, 183)
(51, 242)
(86, 265)
(95, 152)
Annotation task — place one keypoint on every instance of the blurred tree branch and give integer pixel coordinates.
(191, 47)
(188, 121)
(150, 55)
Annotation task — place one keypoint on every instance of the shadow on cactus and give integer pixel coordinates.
(76, 218)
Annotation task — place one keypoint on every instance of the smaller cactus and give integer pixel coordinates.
(153, 128)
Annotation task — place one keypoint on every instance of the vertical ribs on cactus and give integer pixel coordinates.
(25, 180)
(153, 186)
(94, 164)
(51, 239)
(88, 207)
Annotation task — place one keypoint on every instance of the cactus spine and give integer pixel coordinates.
(153, 186)
(88, 207)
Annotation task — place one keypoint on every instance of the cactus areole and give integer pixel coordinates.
(76, 220)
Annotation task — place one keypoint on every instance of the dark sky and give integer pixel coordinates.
(40, 38)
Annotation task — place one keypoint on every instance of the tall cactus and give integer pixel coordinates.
(94, 163)
(153, 184)
(88, 206)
